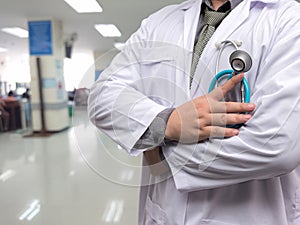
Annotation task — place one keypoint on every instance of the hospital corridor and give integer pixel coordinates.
(149, 112)
(64, 179)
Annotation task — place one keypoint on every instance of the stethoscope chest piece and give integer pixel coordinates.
(240, 61)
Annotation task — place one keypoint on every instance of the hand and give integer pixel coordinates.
(206, 116)
(152, 156)
(153, 160)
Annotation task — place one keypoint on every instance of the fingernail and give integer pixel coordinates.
(235, 132)
(251, 106)
(247, 117)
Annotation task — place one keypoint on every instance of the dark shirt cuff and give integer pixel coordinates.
(155, 133)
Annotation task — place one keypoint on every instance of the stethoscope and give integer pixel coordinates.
(240, 61)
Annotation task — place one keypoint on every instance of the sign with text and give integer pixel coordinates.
(40, 37)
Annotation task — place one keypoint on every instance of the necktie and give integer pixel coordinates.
(211, 20)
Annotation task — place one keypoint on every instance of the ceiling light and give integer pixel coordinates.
(86, 6)
(17, 31)
(108, 30)
(119, 46)
(3, 49)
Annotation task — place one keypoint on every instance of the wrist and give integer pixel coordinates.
(172, 126)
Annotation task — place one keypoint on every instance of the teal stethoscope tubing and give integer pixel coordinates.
(244, 83)
(230, 73)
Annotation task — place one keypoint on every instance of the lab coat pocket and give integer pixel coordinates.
(214, 222)
(154, 214)
(157, 68)
(162, 76)
(156, 62)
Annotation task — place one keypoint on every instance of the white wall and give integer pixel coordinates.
(79, 71)
(15, 68)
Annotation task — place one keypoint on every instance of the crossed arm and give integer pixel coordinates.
(204, 117)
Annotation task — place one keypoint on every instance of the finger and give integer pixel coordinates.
(231, 107)
(221, 91)
(222, 119)
(221, 132)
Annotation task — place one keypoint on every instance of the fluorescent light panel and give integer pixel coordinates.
(84, 6)
(108, 30)
(3, 49)
(16, 31)
(119, 46)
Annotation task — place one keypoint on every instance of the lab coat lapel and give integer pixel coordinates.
(191, 18)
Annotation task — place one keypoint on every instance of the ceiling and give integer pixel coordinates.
(125, 14)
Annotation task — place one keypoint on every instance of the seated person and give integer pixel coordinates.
(4, 115)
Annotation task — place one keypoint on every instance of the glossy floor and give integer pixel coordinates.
(75, 177)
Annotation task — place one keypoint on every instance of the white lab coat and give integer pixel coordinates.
(249, 179)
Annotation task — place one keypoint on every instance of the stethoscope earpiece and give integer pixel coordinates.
(240, 61)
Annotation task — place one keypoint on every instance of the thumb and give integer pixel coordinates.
(221, 91)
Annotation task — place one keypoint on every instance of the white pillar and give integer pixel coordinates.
(46, 43)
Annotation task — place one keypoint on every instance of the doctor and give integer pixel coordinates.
(216, 175)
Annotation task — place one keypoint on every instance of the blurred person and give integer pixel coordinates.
(26, 94)
(4, 115)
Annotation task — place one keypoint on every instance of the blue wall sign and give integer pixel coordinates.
(40, 37)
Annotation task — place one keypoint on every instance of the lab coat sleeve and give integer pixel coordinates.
(269, 144)
(118, 104)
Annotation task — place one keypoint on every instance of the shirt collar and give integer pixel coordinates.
(229, 5)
